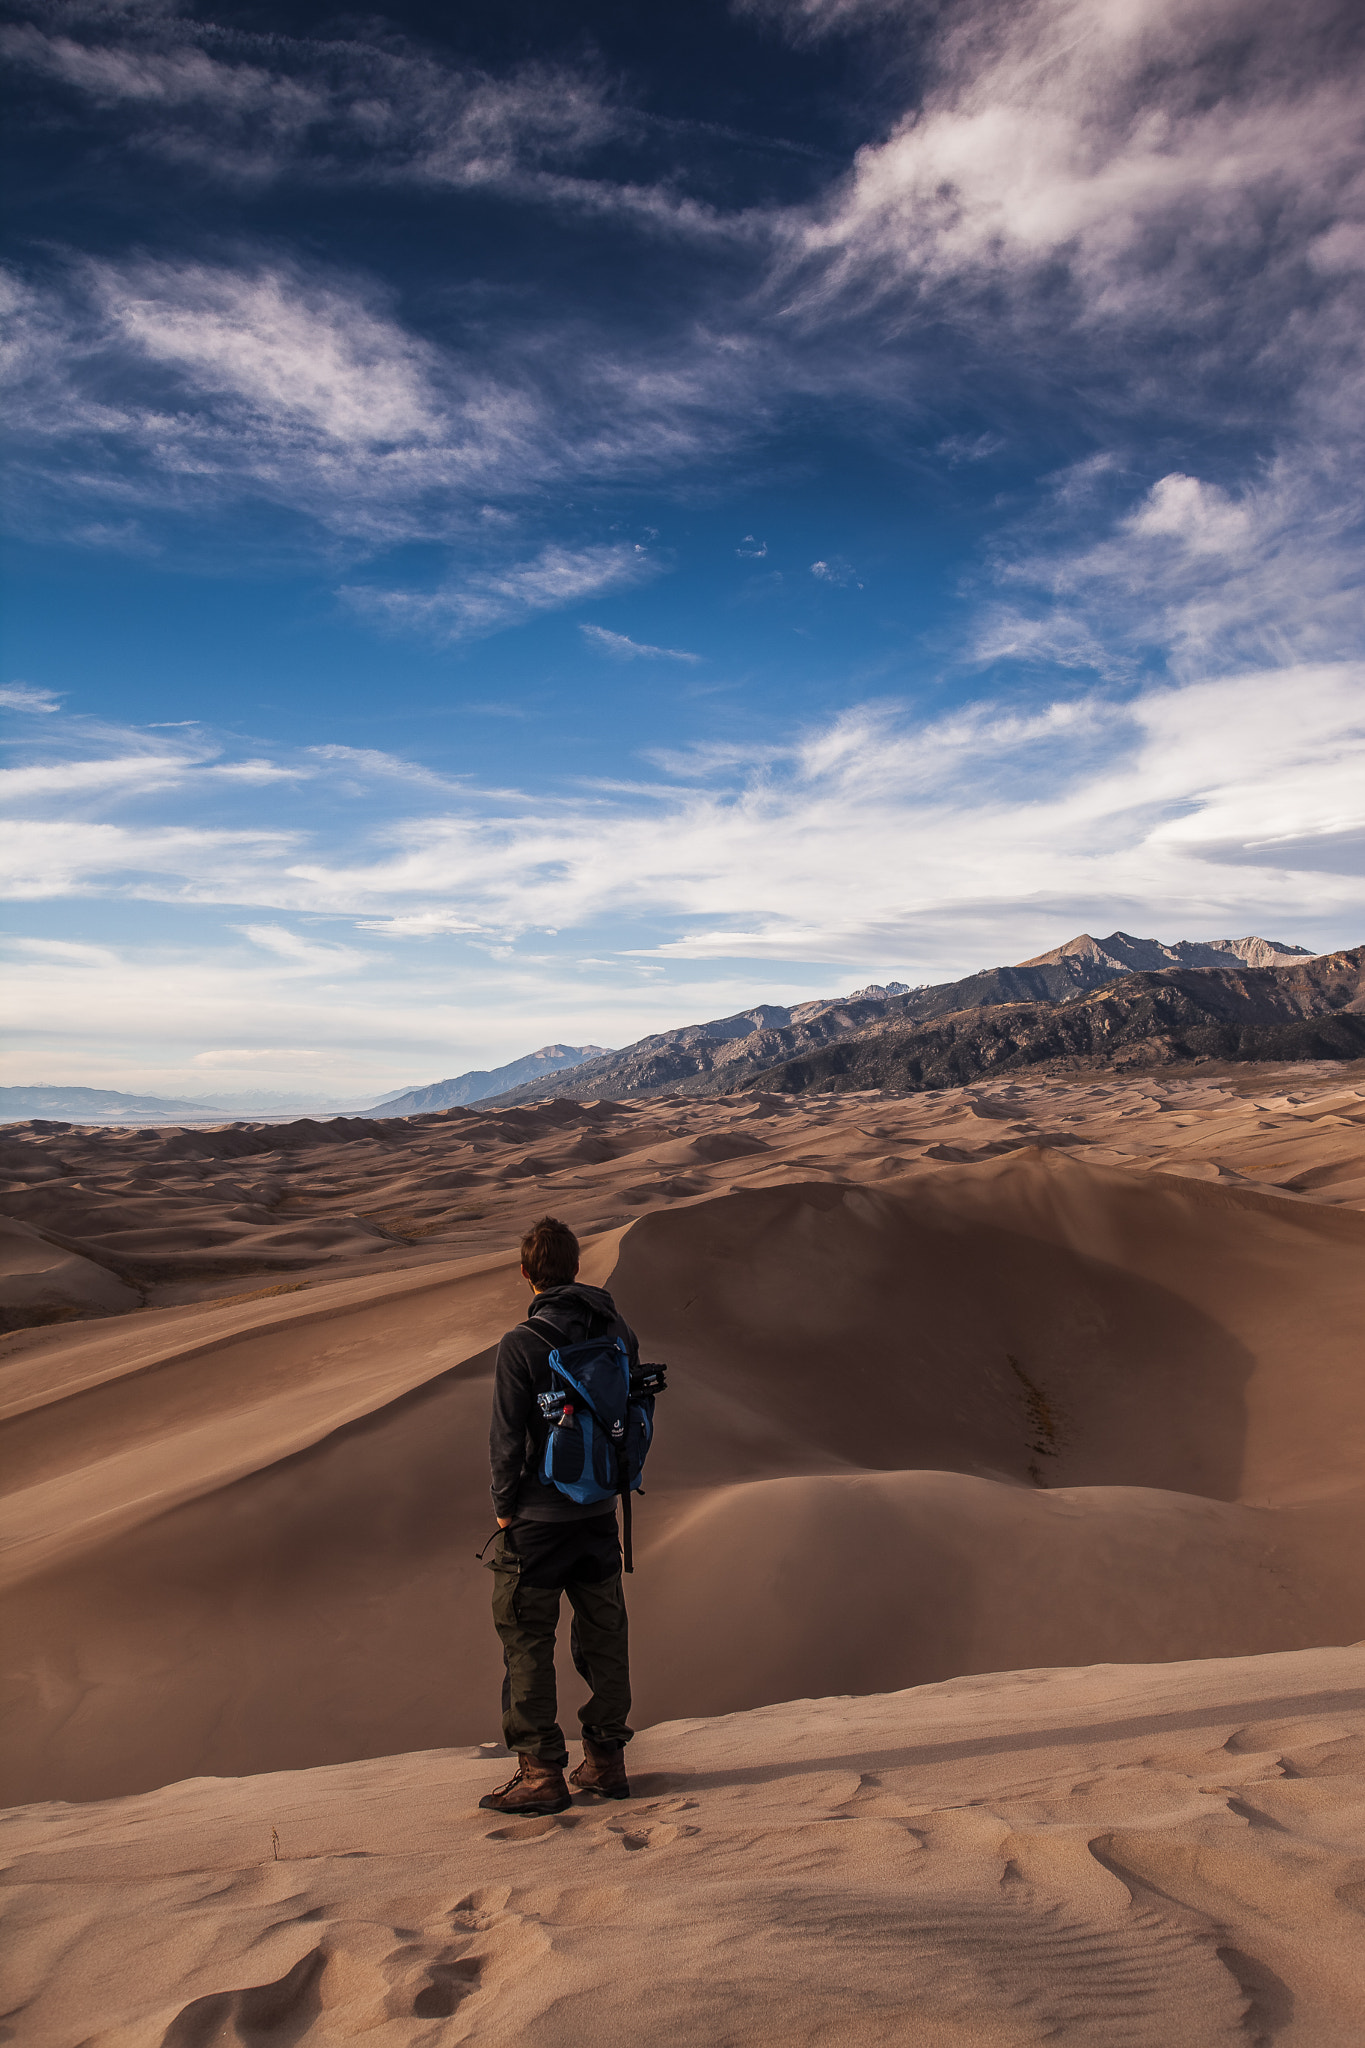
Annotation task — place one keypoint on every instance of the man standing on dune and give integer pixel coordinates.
(548, 1545)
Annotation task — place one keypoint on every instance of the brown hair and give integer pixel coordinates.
(549, 1252)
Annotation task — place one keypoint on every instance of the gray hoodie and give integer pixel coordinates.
(516, 1438)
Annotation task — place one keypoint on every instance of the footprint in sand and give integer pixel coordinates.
(647, 1835)
(445, 1985)
(533, 1830)
(633, 1834)
(282, 2010)
(477, 1910)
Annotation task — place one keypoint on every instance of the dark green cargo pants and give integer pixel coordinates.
(526, 1615)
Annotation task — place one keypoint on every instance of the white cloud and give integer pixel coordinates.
(301, 952)
(139, 773)
(372, 762)
(931, 845)
(176, 388)
(65, 951)
(958, 448)
(1140, 186)
(21, 697)
(1200, 516)
(355, 113)
(301, 357)
(854, 837)
(168, 1019)
(808, 20)
(257, 771)
(622, 648)
(42, 858)
(236, 1056)
(838, 572)
(1205, 577)
(557, 576)
(340, 111)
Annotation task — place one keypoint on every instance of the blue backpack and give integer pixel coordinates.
(601, 1422)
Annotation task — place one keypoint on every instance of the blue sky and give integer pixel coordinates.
(532, 522)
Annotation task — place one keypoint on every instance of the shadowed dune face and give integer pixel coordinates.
(1014, 1412)
(820, 1328)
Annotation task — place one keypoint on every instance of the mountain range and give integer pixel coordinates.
(1314, 1010)
(733, 1052)
(113, 1106)
(96, 1105)
(483, 1082)
(1090, 1001)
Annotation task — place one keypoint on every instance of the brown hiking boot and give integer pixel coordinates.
(535, 1788)
(602, 1771)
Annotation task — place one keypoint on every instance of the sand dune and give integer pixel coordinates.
(192, 1214)
(1117, 1857)
(950, 1395)
(1039, 1375)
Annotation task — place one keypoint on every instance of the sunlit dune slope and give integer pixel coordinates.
(1122, 1856)
(999, 1413)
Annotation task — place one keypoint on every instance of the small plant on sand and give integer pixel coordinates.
(1043, 1420)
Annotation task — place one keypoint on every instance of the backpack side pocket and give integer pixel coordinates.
(638, 1438)
(565, 1457)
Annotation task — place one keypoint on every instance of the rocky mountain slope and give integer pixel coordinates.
(1312, 1011)
(729, 1052)
(1122, 952)
(477, 1086)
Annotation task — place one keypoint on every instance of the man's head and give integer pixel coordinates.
(549, 1254)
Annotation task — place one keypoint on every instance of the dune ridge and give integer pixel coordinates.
(180, 1214)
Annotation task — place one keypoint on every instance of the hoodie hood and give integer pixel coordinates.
(574, 1308)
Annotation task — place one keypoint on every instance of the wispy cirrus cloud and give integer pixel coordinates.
(1164, 206)
(302, 952)
(1121, 152)
(252, 106)
(43, 858)
(182, 385)
(139, 771)
(877, 833)
(372, 763)
(1194, 576)
(23, 697)
(492, 598)
(304, 359)
(161, 389)
(841, 574)
(622, 648)
(252, 109)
